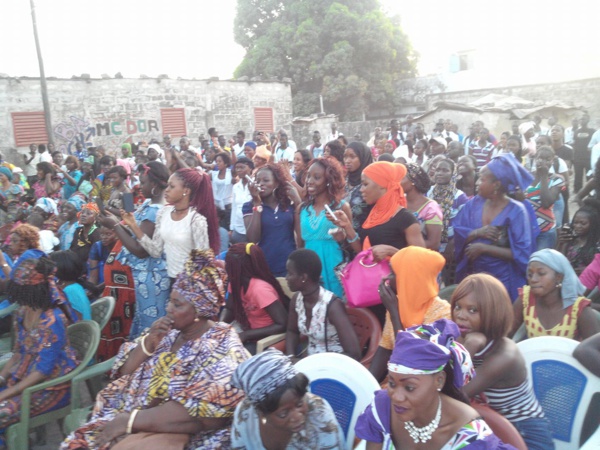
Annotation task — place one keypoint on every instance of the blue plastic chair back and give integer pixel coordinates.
(341, 399)
(559, 388)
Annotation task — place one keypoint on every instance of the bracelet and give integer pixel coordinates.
(144, 349)
(354, 239)
(129, 428)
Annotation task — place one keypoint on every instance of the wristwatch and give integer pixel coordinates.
(4, 265)
(258, 208)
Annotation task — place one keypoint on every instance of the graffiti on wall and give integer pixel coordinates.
(109, 133)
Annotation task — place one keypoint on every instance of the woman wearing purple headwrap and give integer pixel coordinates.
(492, 232)
(426, 371)
(176, 380)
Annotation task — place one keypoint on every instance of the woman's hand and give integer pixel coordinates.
(341, 219)
(292, 193)
(58, 168)
(158, 331)
(113, 429)
(108, 220)
(474, 251)
(382, 251)
(489, 232)
(388, 298)
(255, 193)
(128, 218)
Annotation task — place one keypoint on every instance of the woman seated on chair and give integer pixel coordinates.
(256, 300)
(175, 381)
(483, 312)
(42, 350)
(278, 412)
(552, 303)
(315, 312)
(423, 403)
(410, 295)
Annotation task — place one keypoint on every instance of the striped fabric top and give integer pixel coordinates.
(482, 154)
(545, 216)
(515, 403)
(566, 328)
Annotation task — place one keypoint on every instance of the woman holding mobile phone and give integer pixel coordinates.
(316, 224)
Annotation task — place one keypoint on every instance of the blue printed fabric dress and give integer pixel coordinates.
(315, 234)
(45, 349)
(152, 284)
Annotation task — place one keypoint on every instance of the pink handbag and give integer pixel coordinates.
(361, 278)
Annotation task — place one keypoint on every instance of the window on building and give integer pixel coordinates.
(263, 120)
(173, 121)
(29, 128)
(462, 61)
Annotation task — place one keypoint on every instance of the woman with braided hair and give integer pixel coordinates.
(416, 184)
(152, 284)
(42, 350)
(256, 301)
(188, 222)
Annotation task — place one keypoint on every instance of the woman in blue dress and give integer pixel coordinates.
(152, 284)
(324, 186)
(269, 217)
(492, 232)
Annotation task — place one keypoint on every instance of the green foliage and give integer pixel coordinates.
(346, 50)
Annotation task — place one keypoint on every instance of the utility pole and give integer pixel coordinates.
(45, 102)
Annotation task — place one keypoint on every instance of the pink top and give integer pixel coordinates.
(260, 294)
(590, 277)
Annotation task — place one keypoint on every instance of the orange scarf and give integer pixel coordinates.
(416, 270)
(387, 175)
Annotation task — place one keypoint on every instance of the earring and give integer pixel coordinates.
(327, 184)
(196, 319)
(264, 420)
(152, 191)
(559, 285)
(184, 194)
(439, 389)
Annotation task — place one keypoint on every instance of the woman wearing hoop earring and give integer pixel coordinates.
(269, 218)
(152, 284)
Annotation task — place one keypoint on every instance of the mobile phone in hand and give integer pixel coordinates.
(128, 205)
(330, 211)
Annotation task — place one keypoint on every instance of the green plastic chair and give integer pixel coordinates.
(446, 293)
(84, 337)
(102, 310)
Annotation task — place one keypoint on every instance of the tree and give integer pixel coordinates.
(347, 50)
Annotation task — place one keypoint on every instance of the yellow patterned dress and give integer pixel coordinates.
(197, 376)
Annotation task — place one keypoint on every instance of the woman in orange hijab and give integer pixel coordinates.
(410, 295)
(389, 226)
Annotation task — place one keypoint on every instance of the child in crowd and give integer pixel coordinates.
(99, 254)
(68, 270)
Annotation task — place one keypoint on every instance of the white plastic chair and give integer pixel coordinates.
(561, 384)
(345, 383)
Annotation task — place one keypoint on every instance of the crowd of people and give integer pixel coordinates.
(208, 250)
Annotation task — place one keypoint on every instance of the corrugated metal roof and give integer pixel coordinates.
(29, 128)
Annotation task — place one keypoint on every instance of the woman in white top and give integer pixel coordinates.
(188, 222)
(222, 185)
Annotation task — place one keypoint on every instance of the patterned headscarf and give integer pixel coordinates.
(419, 177)
(26, 274)
(427, 349)
(202, 283)
(571, 288)
(387, 175)
(263, 374)
(48, 205)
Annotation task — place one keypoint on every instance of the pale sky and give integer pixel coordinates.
(194, 38)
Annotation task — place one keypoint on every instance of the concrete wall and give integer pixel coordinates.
(111, 111)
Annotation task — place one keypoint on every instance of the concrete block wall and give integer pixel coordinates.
(112, 111)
